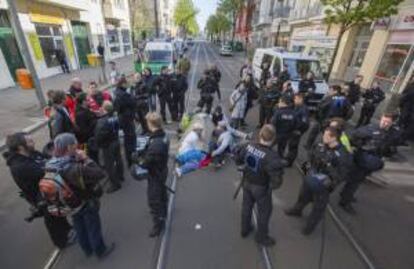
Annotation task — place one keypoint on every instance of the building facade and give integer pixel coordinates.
(74, 27)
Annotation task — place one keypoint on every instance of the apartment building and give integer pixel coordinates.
(75, 27)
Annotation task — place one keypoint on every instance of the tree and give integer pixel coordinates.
(217, 25)
(142, 18)
(351, 13)
(232, 8)
(184, 17)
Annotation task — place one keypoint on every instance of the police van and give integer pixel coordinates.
(158, 54)
(298, 66)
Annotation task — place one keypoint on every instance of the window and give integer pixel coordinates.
(125, 36)
(298, 68)
(51, 40)
(158, 56)
(112, 36)
(391, 62)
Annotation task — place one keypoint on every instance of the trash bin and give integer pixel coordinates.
(24, 79)
(94, 60)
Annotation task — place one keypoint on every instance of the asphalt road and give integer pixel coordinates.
(205, 222)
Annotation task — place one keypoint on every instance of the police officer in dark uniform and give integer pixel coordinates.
(262, 173)
(374, 140)
(208, 86)
(180, 87)
(334, 105)
(155, 159)
(329, 164)
(302, 125)
(372, 98)
(215, 72)
(285, 122)
(140, 92)
(268, 98)
(124, 105)
(163, 86)
(265, 75)
(355, 89)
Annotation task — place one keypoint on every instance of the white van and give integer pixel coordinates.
(297, 64)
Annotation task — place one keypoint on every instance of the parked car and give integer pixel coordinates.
(226, 50)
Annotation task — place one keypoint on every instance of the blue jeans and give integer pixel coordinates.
(87, 225)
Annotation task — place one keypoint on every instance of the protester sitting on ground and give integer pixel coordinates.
(223, 141)
(190, 153)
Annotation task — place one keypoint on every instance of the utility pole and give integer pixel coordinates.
(157, 26)
(24, 49)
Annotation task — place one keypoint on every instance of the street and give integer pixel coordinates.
(204, 230)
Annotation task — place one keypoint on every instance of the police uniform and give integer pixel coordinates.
(155, 159)
(267, 99)
(372, 98)
(285, 122)
(124, 105)
(328, 167)
(373, 140)
(262, 172)
(141, 95)
(180, 87)
(208, 86)
(302, 125)
(163, 87)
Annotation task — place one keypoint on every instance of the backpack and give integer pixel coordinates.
(61, 200)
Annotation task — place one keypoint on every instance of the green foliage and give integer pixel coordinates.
(231, 6)
(185, 16)
(348, 13)
(217, 24)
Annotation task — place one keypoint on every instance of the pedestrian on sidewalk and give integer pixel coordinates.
(124, 105)
(83, 176)
(372, 98)
(155, 159)
(114, 75)
(60, 118)
(101, 52)
(61, 58)
(262, 173)
(27, 166)
(107, 141)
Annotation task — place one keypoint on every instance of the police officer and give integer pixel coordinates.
(285, 122)
(124, 105)
(140, 92)
(372, 98)
(163, 87)
(265, 75)
(262, 173)
(355, 89)
(330, 164)
(180, 87)
(376, 140)
(302, 125)
(334, 105)
(208, 86)
(107, 140)
(215, 72)
(155, 159)
(268, 98)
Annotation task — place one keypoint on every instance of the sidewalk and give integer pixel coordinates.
(19, 108)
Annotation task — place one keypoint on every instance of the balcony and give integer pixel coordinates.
(72, 4)
(306, 13)
(113, 12)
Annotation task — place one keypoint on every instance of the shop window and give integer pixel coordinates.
(112, 36)
(391, 63)
(125, 36)
(50, 37)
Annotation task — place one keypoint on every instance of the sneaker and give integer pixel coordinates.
(107, 251)
(293, 212)
(266, 242)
